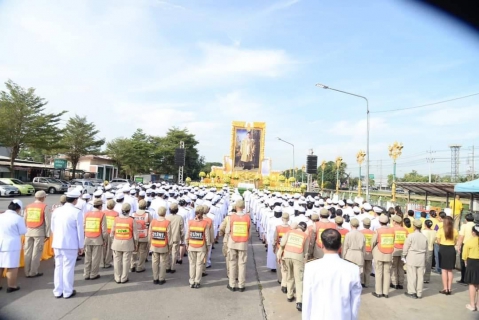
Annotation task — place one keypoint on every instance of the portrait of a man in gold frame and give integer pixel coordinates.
(247, 145)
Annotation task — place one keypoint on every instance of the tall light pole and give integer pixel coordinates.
(338, 165)
(395, 151)
(360, 158)
(319, 85)
(293, 150)
(323, 166)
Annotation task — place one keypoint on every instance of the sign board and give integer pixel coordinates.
(371, 176)
(139, 179)
(59, 164)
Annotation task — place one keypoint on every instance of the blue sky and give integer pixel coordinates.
(202, 64)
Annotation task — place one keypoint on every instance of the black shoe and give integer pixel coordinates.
(290, 299)
(107, 267)
(140, 271)
(146, 259)
(168, 270)
(179, 262)
(117, 282)
(279, 282)
(284, 290)
(377, 295)
(58, 297)
(385, 296)
(162, 282)
(172, 271)
(207, 267)
(400, 287)
(362, 285)
(393, 286)
(150, 254)
(127, 280)
(156, 281)
(78, 258)
(426, 282)
(273, 270)
(10, 290)
(410, 295)
(86, 278)
(213, 247)
(372, 275)
(94, 278)
(197, 285)
(204, 274)
(299, 306)
(72, 295)
(192, 286)
(185, 255)
(37, 275)
(132, 269)
(230, 289)
(241, 289)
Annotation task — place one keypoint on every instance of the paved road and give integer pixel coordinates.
(175, 300)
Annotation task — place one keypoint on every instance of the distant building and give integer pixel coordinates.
(99, 167)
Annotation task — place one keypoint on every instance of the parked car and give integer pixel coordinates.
(96, 182)
(49, 185)
(86, 186)
(24, 188)
(117, 181)
(7, 190)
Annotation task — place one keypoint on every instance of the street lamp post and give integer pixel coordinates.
(338, 165)
(395, 151)
(323, 166)
(360, 158)
(290, 145)
(319, 85)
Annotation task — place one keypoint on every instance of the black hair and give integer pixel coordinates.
(428, 223)
(442, 214)
(119, 200)
(296, 213)
(407, 222)
(98, 206)
(423, 214)
(346, 218)
(14, 206)
(469, 217)
(71, 200)
(339, 213)
(410, 213)
(433, 213)
(331, 239)
(309, 205)
(303, 226)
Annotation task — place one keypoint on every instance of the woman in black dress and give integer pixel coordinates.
(470, 254)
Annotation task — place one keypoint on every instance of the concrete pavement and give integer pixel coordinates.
(263, 299)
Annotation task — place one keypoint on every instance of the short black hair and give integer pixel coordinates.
(469, 217)
(433, 213)
(410, 213)
(14, 206)
(71, 200)
(331, 239)
(339, 213)
(442, 214)
(423, 214)
(407, 222)
(428, 223)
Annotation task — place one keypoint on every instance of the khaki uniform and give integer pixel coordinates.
(160, 256)
(177, 235)
(318, 252)
(382, 267)
(397, 268)
(211, 231)
(34, 241)
(281, 272)
(222, 231)
(367, 268)
(238, 255)
(354, 248)
(122, 250)
(294, 267)
(196, 256)
(138, 258)
(107, 253)
(414, 251)
(93, 250)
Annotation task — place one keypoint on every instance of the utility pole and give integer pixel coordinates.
(473, 173)
(430, 160)
(381, 174)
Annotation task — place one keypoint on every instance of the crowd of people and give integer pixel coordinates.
(303, 236)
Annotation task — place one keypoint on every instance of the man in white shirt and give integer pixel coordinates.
(67, 226)
(331, 285)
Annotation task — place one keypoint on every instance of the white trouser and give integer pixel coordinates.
(208, 259)
(65, 260)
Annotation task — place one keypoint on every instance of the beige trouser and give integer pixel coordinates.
(383, 277)
(33, 253)
(237, 260)
(158, 264)
(208, 249)
(366, 274)
(196, 259)
(284, 274)
(138, 259)
(225, 254)
(457, 219)
(397, 271)
(295, 278)
(92, 261)
(427, 272)
(107, 253)
(415, 278)
(174, 247)
(121, 264)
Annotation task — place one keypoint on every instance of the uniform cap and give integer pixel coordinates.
(97, 202)
(285, 216)
(75, 193)
(119, 196)
(302, 225)
(341, 203)
(377, 210)
(417, 223)
(126, 188)
(383, 218)
(63, 198)
(132, 191)
(109, 195)
(278, 209)
(321, 201)
(366, 222)
(328, 201)
(108, 187)
(19, 202)
(397, 219)
(142, 193)
(301, 210)
(86, 196)
(40, 194)
(314, 216)
(338, 220)
(98, 193)
(354, 222)
(356, 210)
(350, 202)
(324, 213)
(126, 207)
(367, 207)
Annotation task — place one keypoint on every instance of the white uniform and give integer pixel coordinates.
(331, 289)
(271, 256)
(67, 226)
(12, 227)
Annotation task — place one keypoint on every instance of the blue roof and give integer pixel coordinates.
(469, 187)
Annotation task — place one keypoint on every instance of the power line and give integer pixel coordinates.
(426, 105)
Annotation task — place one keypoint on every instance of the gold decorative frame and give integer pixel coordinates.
(248, 125)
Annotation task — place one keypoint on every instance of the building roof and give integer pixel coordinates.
(432, 189)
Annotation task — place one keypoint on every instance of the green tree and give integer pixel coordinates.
(24, 122)
(80, 139)
(207, 166)
(330, 174)
(119, 149)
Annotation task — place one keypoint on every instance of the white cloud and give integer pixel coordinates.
(280, 5)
